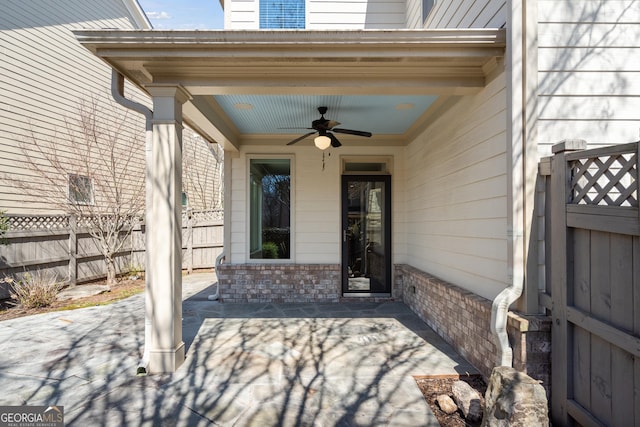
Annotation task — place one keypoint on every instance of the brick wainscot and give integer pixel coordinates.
(463, 319)
(279, 282)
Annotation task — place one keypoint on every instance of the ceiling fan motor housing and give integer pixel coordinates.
(323, 126)
(320, 124)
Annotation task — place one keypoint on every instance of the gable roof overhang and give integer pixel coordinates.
(450, 62)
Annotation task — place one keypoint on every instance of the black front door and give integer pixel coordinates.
(366, 234)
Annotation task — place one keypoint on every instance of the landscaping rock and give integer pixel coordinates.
(447, 404)
(468, 400)
(514, 399)
(82, 291)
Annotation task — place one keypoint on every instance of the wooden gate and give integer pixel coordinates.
(593, 251)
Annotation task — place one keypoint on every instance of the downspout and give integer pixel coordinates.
(499, 314)
(219, 259)
(226, 241)
(117, 92)
(521, 81)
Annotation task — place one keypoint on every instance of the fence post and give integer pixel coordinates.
(638, 177)
(189, 242)
(73, 250)
(560, 277)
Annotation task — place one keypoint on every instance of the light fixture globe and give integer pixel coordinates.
(322, 142)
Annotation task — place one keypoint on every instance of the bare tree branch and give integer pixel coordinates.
(202, 172)
(92, 169)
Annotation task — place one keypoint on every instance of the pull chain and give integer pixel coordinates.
(328, 155)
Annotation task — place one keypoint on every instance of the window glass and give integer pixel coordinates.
(80, 189)
(270, 209)
(365, 167)
(427, 5)
(282, 14)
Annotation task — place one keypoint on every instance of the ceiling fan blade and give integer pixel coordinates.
(334, 141)
(300, 138)
(352, 132)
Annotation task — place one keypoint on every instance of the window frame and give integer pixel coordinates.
(386, 163)
(71, 195)
(248, 221)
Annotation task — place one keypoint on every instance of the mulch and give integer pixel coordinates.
(122, 289)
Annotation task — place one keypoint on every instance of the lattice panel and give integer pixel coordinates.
(198, 216)
(54, 222)
(84, 222)
(38, 222)
(605, 180)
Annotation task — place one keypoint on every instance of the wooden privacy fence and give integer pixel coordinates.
(57, 243)
(593, 283)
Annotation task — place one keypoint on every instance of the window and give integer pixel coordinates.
(353, 167)
(427, 5)
(80, 189)
(366, 165)
(270, 208)
(282, 14)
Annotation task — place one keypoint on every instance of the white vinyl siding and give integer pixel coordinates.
(46, 74)
(239, 204)
(413, 14)
(588, 71)
(201, 172)
(456, 194)
(325, 14)
(467, 14)
(241, 15)
(355, 14)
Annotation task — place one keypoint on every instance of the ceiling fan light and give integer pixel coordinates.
(322, 142)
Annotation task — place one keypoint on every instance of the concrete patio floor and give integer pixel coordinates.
(348, 364)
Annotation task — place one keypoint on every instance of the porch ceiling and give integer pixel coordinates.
(247, 85)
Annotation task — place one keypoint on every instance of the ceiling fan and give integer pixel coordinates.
(324, 128)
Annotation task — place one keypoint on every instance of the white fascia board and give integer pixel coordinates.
(250, 39)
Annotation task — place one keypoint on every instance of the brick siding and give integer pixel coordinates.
(279, 282)
(463, 319)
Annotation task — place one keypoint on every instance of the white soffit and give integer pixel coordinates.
(303, 65)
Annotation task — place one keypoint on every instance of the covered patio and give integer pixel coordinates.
(188, 75)
(246, 364)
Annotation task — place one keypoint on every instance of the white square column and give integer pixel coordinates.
(164, 293)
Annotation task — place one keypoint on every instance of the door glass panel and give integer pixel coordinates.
(365, 236)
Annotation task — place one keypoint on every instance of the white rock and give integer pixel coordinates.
(447, 404)
(468, 400)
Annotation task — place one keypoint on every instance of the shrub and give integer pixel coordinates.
(269, 250)
(38, 289)
(279, 236)
(134, 271)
